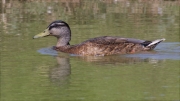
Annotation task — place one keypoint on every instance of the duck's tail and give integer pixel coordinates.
(150, 45)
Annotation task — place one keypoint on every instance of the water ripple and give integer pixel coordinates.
(48, 51)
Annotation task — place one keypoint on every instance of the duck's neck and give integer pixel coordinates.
(63, 41)
(63, 45)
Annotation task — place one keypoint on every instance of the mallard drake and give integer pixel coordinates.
(99, 46)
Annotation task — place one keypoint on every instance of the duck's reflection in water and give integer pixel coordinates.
(117, 60)
(61, 72)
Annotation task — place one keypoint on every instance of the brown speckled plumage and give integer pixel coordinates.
(100, 46)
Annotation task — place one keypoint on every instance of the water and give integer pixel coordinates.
(31, 70)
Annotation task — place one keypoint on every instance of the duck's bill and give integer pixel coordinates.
(43, 34)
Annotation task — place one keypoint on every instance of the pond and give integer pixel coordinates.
(32, 71)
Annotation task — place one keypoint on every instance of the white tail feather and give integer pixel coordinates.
(156, 41)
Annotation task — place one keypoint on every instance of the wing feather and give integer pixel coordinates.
(113, 40)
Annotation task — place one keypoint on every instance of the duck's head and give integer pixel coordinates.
(59, 29)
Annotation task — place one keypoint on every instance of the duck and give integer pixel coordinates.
(98, 46)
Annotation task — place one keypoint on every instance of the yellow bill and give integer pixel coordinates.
(43, 34)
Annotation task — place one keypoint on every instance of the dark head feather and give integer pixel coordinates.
(57, 23)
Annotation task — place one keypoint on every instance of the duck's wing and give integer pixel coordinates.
(114, 40)
(108, 45)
